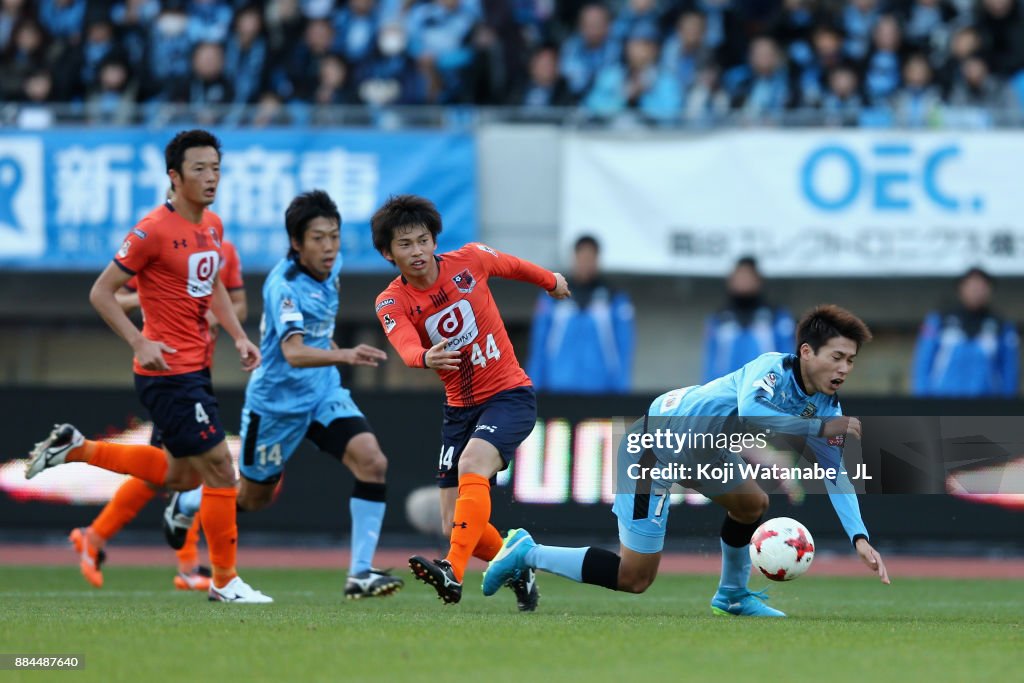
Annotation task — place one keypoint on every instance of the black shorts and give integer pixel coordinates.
(184, 409)
(504, 421)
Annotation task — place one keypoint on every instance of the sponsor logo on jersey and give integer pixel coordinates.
(389, 323)
(202, 271)
(139, 233)
(770, 379)
(456, 323)
(484, 247)
(383, 303)
(123, 251)
(464, 282)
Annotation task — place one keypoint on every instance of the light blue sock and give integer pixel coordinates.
(367, 517)
(735, 568)
(188, 502)
(567, 562)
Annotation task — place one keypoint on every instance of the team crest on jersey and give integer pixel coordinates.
(464, 282)
(123, 251)
(767, 383)
(810, 410)
(384, 303)
(389, 323)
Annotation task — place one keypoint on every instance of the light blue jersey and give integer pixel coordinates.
(294, 302)
(764, 395)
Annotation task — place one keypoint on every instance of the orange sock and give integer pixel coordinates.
(139, 460)
(188, 556)
(128, 500)
(472, 512)
(488, 545)
(217, 515)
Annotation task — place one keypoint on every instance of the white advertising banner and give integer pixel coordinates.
(805, 203)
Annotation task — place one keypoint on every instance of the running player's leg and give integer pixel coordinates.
(340, 430)
(185, 409)
(745, 506)
(89, 542)
(643, 520)
(504, 422)
(66, 444)
(350, 439)
(490, 540)
(457, 430)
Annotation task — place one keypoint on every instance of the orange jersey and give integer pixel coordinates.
(176, 264)
(230, 275)
(459, 307)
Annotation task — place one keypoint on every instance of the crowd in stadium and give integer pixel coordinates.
(852, 62)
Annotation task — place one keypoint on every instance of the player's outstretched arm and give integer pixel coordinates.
(222, 307)
(301, 355)
(872, 559)
(148, 352)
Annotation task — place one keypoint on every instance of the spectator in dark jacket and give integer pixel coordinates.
(967, 350)
(746, 326)
(585, 344)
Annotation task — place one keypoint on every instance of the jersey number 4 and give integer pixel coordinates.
(490, 349)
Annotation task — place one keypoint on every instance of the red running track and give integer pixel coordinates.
(675, 563)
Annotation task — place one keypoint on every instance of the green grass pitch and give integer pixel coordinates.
(138, 629)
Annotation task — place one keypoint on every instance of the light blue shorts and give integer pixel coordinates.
(269, 439)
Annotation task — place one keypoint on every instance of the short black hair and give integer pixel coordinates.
(980, 272)
(400, 211)
(303, 209)
(828, 321)
(174, 153)
(587, 241)
(746, 262)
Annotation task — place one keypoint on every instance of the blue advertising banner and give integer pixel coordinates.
(69, 196)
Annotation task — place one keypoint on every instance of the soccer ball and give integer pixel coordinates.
(782, 549)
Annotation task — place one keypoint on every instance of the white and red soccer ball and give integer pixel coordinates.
(782, 549)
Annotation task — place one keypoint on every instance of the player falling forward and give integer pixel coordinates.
(176, 253)
(439, 314)
(133, 495)
(787, 393)
(297, 393)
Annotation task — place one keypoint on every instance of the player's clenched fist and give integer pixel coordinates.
(842, 426)
(249, 353)
(438, 358)
(561, 290)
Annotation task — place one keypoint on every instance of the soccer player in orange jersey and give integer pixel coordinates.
(133, 495)
(439, 314)
(176, 251)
